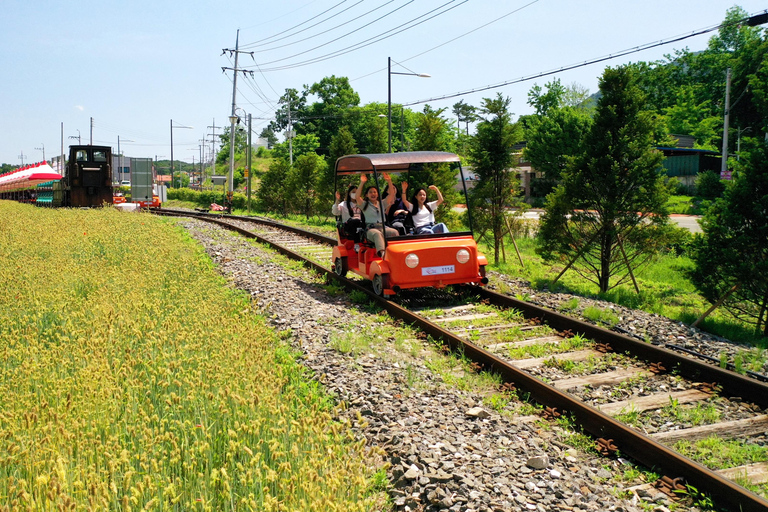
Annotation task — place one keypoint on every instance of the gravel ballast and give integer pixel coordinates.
(443, 448)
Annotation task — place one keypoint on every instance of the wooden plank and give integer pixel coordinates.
(465, 318)
(655, 401)
(728, 430)
(491, 328)
(754, 473)
(554, 340)
(450, 309)
(601, 379)
(579, 355)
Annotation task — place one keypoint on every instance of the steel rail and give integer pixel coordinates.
(629, 441)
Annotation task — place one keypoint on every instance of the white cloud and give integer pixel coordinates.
(80, 107)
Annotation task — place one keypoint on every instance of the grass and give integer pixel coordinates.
(137, 379)
(664, 290)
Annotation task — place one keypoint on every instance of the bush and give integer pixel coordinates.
(709, 185)
(204, 198)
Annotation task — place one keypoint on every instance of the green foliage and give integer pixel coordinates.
(543, 102)
(271, 195)
(605, 316)
(609, 210)
(733, 250)
(553, 140)
(369, 129)
(432, 131)
(301, 187)
(690, 116)
(709, 185)
(324, 117)
(343, 143)
(464, 114)
(301, 145)
(492, 157)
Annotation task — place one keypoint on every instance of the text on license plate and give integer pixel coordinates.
(434, 271)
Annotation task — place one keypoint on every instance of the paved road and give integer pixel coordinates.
(689, 222)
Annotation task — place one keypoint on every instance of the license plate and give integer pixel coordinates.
(435, 271)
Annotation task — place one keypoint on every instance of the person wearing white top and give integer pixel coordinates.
(348, 208)
(371, 208)
(351, 216)
(423, 212)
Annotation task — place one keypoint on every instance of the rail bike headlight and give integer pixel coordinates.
(412, 260)
(462, 256)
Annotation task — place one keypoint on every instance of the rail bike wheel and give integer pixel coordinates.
(380, 283)
(340, 266)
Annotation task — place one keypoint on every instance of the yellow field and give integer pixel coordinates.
(132, 378)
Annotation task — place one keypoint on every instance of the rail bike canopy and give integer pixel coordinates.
(391, 162)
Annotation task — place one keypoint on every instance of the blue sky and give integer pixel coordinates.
(135, 66)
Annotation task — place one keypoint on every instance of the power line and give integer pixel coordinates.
(260, 42)
(340, 37)
(451, 40)
(622, 53)
(255, 45)
(372, 40)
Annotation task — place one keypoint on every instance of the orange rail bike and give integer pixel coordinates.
(408, 260)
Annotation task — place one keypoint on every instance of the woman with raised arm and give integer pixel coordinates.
(423, 212)
(351, 217)
(368, 201)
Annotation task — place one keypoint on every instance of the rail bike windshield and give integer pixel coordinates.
(426, 177)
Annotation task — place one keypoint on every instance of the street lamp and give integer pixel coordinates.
(172, 127)
(389, 94)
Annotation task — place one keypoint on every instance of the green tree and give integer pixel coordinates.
(465, 113)
(241, 145)
(553, 140)
(343, 143)
(272, 194)
(491, 155)
(543, 102)
(609, 213)
(734, 227)
(434, 134)
(688, 116)
(301, 145)
(285, 116)
(368, 129)
(302, 184)
(324, 118)
(269, 135)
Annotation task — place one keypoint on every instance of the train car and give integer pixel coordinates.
(410, 260)
(86, 183)
(88, 180)
(29, 183)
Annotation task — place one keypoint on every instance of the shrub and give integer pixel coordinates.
(709, 185)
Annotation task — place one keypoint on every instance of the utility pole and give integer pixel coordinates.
(213, 145)
(290, 131)
(61, 167)
(42, 149)
(724, 163)
(22, 158)
(233, 118)
(248, 165)
(91, 131)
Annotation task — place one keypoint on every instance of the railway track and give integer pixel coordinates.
(567, 365)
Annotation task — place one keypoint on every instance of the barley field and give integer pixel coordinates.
(133, 378)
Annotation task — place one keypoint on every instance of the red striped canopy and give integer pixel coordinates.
(28, 176)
